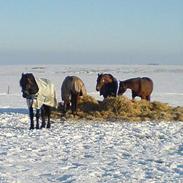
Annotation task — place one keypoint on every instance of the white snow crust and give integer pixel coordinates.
(90, 151)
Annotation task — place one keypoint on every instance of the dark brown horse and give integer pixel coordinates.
(107, 85)
(141, 87)
(40, 95)
(71, 90)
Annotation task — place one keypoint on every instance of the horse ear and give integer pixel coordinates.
(22, 74)
(98, 74)
(32, 75)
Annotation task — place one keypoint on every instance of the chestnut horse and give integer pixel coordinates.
(40, 95)
(71, 90)
(107, 85)
(141, 87)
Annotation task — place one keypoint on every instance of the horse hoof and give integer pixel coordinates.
(31, 128)
(63, 119)
(48, 126)
(74, 113)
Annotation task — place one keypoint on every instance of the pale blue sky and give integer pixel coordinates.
(91, 31)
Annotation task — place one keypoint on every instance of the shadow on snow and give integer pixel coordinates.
(14, 110)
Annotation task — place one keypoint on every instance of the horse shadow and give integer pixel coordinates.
(13, 110)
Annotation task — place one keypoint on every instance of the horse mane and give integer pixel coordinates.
(107, 74)
(28, 75)
(31, 77)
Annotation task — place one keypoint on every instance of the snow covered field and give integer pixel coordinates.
(90, 151)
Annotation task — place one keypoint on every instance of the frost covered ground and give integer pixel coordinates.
(90, 151)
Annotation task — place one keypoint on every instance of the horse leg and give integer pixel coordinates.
(143, 97)
(37, 118)
(31, 115)
(133, 95)
(48, 111)
(148, 97)
(73, 102)
(66, 106)
(76, 102)
(43, 117)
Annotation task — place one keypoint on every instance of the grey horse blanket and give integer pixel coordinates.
(46, 95)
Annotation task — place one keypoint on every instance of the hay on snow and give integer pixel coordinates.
(122, 108)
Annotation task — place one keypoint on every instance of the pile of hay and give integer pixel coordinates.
(123, 109)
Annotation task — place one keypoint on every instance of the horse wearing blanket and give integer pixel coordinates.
(40, 95)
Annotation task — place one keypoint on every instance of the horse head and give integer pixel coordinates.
(28, 85)
(122, 88)
(102, 80)
(99, 82)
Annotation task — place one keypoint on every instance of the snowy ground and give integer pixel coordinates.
(90, 151)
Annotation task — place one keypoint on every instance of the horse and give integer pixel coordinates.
(107, 85)
(40, 96)
(141, 87)
(71, 90)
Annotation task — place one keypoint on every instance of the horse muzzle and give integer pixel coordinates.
(27, 96)
(97, 88)
(24, 95)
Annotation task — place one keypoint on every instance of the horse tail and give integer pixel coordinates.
(150, 83)
(79, 87)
